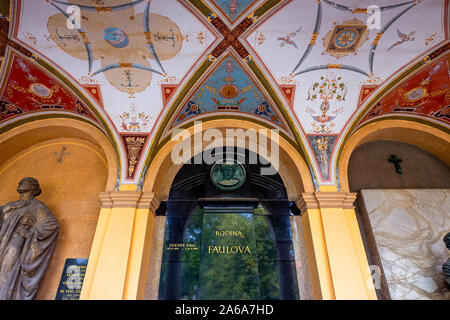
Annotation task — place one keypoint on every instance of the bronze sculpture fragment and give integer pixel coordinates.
(28, 233)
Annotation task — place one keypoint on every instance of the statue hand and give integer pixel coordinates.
(27, 221)
(24, 225)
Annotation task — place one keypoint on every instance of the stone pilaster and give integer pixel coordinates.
(336, 255)
(317, 200)
(119, 257)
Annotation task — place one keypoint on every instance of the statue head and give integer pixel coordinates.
(227, 171)
(447, 240)
(29, 184)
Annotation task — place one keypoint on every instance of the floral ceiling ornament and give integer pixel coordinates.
(329, 88)
(134, 146)
(134, 121)
(124, 42)
(322, 146)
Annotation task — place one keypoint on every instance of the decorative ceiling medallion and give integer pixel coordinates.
(40, 90)
(416, 94)
(95, 92)
(116, 37)
(229, 91)
(7, 109)
(289, 93)
(167, 92)
(346, 38)
(366, 90)
(228, 175)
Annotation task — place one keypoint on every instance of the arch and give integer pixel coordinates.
(26, 135)
(424, 136)
(56, 165)
(293, 169)
(193, 203)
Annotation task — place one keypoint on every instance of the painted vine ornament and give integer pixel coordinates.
(134, 121)
(28, 233)
(329, 88)
(134, 148)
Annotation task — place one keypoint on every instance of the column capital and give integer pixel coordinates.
(316, 200)
(105, 200)
(149, 200)
(120, 199)
(129, 199)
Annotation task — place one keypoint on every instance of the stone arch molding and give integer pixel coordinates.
(27, 135)
(162, 170)
(86, 111)
(424, 136)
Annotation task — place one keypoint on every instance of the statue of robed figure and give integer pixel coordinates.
(28, 233)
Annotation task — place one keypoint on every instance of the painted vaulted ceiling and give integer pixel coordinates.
(138, 69)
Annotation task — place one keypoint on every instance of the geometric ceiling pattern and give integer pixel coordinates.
(315, 69)
(332, 46)
(228, 89)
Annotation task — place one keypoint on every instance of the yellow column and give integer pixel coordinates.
(141, 243)
(119, 246)
(336, 256)
(102, 224)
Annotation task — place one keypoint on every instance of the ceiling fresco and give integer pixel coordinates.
(332, 41)
(315, 69)
(232, 10)
(228, 89)
(426, 94)
(27, 90)
(128, 49)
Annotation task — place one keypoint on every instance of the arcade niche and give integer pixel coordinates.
(228, 233)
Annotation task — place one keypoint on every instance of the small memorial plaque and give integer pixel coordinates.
(72, 279)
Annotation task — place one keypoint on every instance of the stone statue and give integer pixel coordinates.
(28, 233)
(446, 265)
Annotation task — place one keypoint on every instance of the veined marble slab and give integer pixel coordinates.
(409, 226)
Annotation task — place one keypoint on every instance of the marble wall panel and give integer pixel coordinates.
(408, 227)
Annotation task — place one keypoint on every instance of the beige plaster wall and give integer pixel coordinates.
(369, 168)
